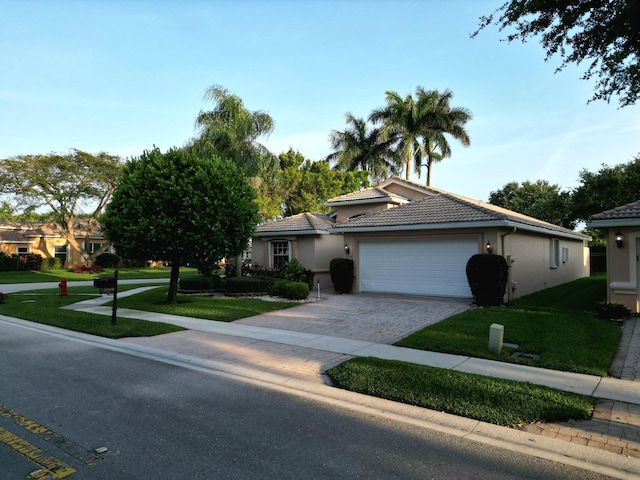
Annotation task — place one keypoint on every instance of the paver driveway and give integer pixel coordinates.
(368, 317)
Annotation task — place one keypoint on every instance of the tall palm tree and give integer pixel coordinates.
(231, 130)
(420, 126)
(358, 147)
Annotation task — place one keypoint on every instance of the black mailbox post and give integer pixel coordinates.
(109, 285)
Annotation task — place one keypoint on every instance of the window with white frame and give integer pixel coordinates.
(93, 247)
(22, 250)
(60, 251)
(565, 254)
(555, 253)
(279, 253)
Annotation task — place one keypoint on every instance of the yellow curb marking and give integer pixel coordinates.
(53, 466)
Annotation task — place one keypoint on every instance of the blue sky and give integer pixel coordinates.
(123, 75)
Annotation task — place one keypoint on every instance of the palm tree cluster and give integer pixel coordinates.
(405, 132)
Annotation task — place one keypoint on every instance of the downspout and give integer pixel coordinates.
(510, 290)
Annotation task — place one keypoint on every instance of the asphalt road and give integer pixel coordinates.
(61, 399)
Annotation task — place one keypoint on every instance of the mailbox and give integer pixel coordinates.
(104, 282)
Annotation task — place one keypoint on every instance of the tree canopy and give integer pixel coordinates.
(307, 185)
(607, 188)
(604, 34)
(540, 200)
(360, 146)
(231, 131)
(420, 126)
(64, 183)
(179, 207)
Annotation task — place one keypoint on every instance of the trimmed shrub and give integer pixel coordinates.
(30, 262)
(290, 290)
(108, 260)
(612, 311)
(487, 276)
(211, 282)
(249, 285)
(9, 263)
(295, 272)
(341, 270)
(52, 264)
(250, 270)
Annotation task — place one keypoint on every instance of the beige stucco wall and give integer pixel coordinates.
(345, 212)
(528, 254)
(406, 192)
(622, 268)
(529, 257)
(312, 251)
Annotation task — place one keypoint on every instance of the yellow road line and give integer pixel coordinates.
(49, 435)
(54, 466)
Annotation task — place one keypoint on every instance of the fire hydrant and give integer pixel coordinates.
(63, 287)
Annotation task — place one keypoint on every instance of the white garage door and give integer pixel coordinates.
(416, 267)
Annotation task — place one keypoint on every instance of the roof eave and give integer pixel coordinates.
(461, 225)
(615, 222)
(366, 201)
(291, 232)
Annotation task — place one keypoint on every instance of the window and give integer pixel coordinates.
(60, 251)
(93, 247)
(22, 250)
(280, 253)
(565, 254)
(555, 253)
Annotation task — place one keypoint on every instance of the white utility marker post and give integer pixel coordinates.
(496, 336)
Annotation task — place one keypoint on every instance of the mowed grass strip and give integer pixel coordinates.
(221, 309)
(497, 401)
(123, 274)
(558, 324)
(44, 306)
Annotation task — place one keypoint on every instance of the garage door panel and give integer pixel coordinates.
(416, 267)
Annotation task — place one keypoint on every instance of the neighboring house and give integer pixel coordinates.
(411, 239)
(47, 240)
(622, 226)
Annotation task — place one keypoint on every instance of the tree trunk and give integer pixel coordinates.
(173, 282)
(429, 165)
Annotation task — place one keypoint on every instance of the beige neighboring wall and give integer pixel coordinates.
(622, 267)
(530, 259)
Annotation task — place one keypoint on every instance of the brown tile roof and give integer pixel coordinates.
(628, 211)
(302, 223)
(12, 232)
(440, 210)
(371, 193)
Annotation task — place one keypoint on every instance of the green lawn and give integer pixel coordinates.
(43, 306)
(222, 309)
(56, 275)
(492, 400)
(558, 324)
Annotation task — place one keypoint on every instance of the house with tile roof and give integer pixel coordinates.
(407, 238)
(48, 241)
(622, 227)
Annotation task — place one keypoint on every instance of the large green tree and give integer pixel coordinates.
(421, 125)
(65, 184)
(361, 147)
(609, 187)
(605, 34)
(231, 131)
(539, 199)
(179, 207)
(307, 185)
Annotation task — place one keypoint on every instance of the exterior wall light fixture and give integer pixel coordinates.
(347, 250)
(619, 239)
(489, 247)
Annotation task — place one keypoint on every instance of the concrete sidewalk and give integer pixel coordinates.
(314, 342)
